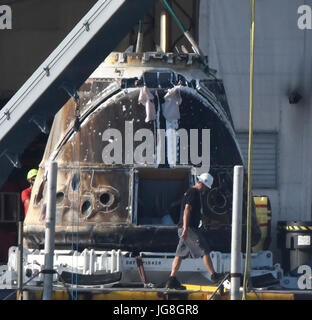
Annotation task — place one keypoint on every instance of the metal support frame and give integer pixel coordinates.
(13, 158)
(62, 57)
(76, 57)
(156, 265)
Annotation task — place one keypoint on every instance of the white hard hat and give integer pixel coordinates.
(206, 179)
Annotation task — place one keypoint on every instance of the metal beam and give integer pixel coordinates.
(70, 64)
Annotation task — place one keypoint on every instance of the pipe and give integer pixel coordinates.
(187, 34)
(50, 232)
(193, 43)
(139, 44)
(236, 231)
(20, 257)
(163, 31)
(168, 7)
(249, 197)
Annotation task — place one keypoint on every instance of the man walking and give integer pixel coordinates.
(191, 240)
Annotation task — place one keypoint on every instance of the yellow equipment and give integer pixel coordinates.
(263, 212)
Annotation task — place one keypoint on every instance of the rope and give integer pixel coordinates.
(249, 196)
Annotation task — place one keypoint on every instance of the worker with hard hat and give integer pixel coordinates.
(191, 240)
(26, 194)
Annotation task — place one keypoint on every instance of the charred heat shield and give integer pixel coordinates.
(126, 204)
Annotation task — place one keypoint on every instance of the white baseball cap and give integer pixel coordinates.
(206, 179)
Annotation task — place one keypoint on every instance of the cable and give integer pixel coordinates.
(219, 286)
(168, 7)
(249, 197)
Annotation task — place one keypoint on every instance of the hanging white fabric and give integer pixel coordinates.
(170, 107)
(146, 98)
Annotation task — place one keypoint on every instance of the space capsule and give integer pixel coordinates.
(128, 146)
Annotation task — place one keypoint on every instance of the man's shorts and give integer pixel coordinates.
(195, 244)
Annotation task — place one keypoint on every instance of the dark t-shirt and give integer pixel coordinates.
(192, 197)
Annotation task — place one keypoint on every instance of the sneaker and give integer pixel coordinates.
(174, 283)
(216, 277)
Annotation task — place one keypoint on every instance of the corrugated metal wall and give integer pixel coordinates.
(282, 64)
(264, 158)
